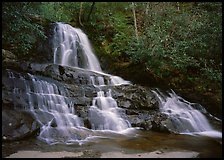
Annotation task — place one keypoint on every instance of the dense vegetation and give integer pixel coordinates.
(179, 42)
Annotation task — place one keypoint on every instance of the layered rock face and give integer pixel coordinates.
(137, 104)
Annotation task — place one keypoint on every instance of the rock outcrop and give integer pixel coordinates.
(137, 104)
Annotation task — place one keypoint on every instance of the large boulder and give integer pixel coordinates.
(17, 125)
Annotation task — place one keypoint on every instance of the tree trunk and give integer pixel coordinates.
(178, 6)
(147, 8)
(92, 6)
(135, 21)
(80, 14)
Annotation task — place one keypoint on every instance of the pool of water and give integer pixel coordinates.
(137, 142)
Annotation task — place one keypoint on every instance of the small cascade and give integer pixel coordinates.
(185, 118)
(115, 80)
(104, 115)
(51, 108)
(98, 80)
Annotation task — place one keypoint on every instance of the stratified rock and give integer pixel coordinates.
(136, 104)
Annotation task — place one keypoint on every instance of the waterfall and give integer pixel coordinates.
(103, 113)
(49, 103)
(72, 48)
(50, 106)
(185, 118)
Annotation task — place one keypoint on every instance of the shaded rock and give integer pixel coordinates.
(125, 104)
(135, 97)
(161, 122)
(38, 19)
(9, 60)
(17, 125)
(137, 121)
(8, 56)
(137, 104)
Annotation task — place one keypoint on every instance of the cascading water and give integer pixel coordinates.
(103, 114)
(51, 107)
(72, 48)
(184, 117)
(54, 109)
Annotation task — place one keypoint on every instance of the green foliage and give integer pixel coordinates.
(58, 11)
(122, 34)
(173, 40)
(19, 33)
(212, 74)
(111, 22)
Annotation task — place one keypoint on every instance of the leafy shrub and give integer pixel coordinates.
(174, 40)
(18, 31)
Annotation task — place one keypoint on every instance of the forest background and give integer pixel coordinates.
(174, 45)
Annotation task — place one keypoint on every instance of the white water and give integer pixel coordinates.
(55, 112)
(103, 113)
(72, 48)
(185, 118)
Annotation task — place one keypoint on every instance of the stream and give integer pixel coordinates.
(138, 142)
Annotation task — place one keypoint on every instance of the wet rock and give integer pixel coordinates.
(161, 122)
(199, 107)
(125, 104)
(137, 104)
(135, 97)
(137, 121)
(17, 125)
